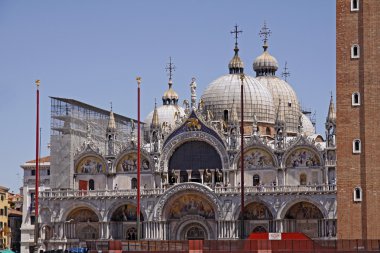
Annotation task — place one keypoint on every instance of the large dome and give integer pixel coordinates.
(282, 91)
(166, 113)
(224, 93)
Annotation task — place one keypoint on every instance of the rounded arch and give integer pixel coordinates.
(127, 161)
(175, 142)
(90, 163)
(188, 204)
(80, 205)
(253, 201)
(257, 157)
(302, 156)
(46, 232)
(206, 156)
(186, 223)
(303, 210)
(126, 212)
(284, 209)
(187, 188)
(82, 214)
(119, 204)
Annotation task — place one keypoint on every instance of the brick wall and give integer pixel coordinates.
(361, 219)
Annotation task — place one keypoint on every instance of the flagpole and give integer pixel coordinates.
(242, 154)
(138, 157)
(36, 232)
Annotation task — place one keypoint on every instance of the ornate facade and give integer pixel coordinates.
(190, 170)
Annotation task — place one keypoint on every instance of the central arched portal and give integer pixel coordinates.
(190, 216)
(192, 159)
(194, 231)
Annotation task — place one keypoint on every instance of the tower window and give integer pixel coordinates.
(355, 51)
(358, 195)
(354, 5)
(267, 131)
(134, 183)
(355, 99)
(356, 146)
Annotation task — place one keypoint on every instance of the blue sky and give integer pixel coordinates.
(92, 51)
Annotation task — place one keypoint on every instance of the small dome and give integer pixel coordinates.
(224, 93)
(166, 113)
(307, 126)
(282, 91)
(236, 65)
(170, 96)
(265, 64)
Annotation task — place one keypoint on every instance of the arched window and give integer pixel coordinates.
(355, 51)
(225, 115)
(354, 5)
(356, 146)
(134, 183)
(131, 234)
(355, 99)
(267, 131)
(256, 180)
(303, 179)
(91, 185)
(358, 196)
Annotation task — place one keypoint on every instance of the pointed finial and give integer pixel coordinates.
(111, 105)
(265, 32)
(37, 82)
(155, 120)
(138, 79)
(285, 74)
(170, 68)
(236, 35)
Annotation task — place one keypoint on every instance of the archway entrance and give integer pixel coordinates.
(195, 232)
(258, 218)
(123, 222)
(82, 223)
(304, 217)
(190, 216)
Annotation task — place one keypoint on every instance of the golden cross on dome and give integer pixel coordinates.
(236, 32)
(170, 68)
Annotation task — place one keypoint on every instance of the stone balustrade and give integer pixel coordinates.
(131, 193)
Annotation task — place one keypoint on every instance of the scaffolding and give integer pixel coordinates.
(69, 116)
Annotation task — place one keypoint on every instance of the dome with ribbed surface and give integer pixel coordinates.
(283, 93)
(224, 93)
(165, 113)
(265, 63)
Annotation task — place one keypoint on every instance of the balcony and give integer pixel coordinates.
(225, 191)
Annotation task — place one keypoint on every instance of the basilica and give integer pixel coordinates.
(190, 165)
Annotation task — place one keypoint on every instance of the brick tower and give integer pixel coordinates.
(358, 118)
